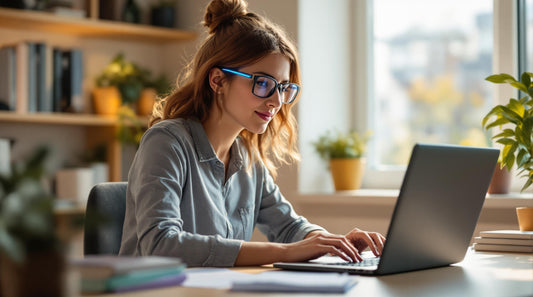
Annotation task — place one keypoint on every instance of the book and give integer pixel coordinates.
(21, 77)
(166, 281)
(57, 73)
(513, 234)
(5, 72)
(71, 99)
(134, 280)
(509, 241)
(102, 266)
(31, 77)
(503, 248)
(76, 96)
(44, 77)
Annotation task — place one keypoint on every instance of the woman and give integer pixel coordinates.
(202, 178)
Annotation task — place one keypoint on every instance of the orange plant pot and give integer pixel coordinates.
(106, 100)
(347, 173)
(146, 101)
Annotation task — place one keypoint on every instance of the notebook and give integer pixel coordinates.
(438, 206)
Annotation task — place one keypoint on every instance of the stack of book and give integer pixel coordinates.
(104, 273)
(504, 241)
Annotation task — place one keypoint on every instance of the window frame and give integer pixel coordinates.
(505, 59)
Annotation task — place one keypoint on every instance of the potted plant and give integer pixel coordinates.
(517, 134)
(31, 260)
(119, 78)
(123, 82)
(345, 154)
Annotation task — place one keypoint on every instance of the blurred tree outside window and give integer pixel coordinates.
(429, 71)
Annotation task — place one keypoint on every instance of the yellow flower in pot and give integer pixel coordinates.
(517, 116)
(345, 154)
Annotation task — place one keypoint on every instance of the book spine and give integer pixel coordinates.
(76, 72)
(503, 248)
(141, 276)
(165, 281)
(32, 77)
(66, 82)
(508, 241)
(12, 75)
(44, 78)
(510, 235)
(22, 77)
(57, 70)
(4, 79)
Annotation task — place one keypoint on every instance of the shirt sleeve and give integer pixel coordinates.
(277, 218)
(155, 186)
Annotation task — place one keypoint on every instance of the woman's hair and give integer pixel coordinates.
(237, 38)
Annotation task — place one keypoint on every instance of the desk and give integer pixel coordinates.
(480, 274)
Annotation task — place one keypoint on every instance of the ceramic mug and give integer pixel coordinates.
(525, 218)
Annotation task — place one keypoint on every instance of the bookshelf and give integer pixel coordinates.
(97, 129)
(88, 27)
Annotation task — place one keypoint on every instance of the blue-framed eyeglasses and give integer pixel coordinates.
(264, 86)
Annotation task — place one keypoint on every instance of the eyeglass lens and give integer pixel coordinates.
(265, 86)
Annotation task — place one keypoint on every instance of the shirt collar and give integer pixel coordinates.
(205, 150)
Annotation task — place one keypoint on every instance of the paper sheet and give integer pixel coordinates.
(270, 281)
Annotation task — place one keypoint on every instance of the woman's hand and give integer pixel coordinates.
(315, 244)
(362, 239)
(348, 247)
(319, 243)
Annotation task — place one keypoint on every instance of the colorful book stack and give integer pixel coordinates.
(504, 241)
(105, 273)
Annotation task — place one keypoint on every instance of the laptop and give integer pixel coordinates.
(438, 206)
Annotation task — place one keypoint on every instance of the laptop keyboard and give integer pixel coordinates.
(367, 262)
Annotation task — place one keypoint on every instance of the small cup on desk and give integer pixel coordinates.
(525, 218)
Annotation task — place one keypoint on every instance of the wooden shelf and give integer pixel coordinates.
(48, 22)
(72, 119)
(65, 119)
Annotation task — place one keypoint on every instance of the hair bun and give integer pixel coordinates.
(220, 12)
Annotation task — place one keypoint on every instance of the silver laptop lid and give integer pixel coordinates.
(440, 200)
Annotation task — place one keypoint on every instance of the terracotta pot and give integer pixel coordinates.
(347, 173)
(501, 181)
(146, 101)
(106, 100)
(41, 274)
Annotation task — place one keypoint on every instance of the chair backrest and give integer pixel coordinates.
(104, 218)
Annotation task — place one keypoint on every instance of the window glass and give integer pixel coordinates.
(527, 58)
(430, 62)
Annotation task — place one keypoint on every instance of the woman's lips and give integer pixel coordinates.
(266, 116)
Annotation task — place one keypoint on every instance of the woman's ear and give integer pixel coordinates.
(216, 79)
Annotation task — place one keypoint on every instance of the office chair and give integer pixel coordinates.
(104, 218)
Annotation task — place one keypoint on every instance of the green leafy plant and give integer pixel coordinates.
(341, 145)
(26, 210)
(517, 134)
(130, 79)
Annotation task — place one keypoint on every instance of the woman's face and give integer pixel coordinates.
(245, 110)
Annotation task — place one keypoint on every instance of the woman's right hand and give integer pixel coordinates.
(319, 243)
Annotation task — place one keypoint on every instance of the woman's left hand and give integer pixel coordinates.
(363, 239)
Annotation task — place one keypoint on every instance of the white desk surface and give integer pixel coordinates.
(480, 274)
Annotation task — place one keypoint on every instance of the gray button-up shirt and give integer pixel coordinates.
(180, 202)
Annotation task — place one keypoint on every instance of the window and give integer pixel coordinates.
(415, 74)
(427, 75)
